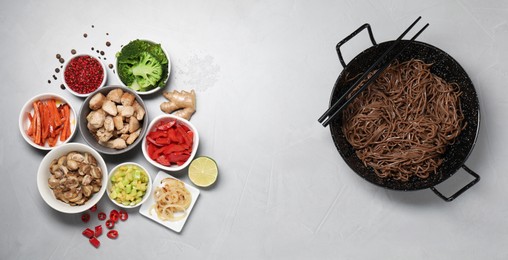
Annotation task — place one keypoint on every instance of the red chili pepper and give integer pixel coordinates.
(163, 160)
(101, 216)
(166, 125)
(98, 230)
(110, 224)
(85, 217)
(95, 242)
(123, 215)
(88, 233)
(93, 208)
(113, 215)
(113, 234)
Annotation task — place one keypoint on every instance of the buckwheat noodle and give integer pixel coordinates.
(401, 124)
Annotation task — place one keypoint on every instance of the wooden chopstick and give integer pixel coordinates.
(364, 75)
(371, 79)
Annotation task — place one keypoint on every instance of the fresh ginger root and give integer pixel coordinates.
(183, 103)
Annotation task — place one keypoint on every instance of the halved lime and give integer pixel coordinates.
(203, 171)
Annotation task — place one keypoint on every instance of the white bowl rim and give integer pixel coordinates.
(66, 63)
(148, 188)
(151, 90)
(195, 144)
(23, 116)
(43, 183)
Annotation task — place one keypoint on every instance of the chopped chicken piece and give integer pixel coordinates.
(133, 124)
(133, 137)
(96, 101)
(109, 124)
(118, 121)
(125, 111)
(96, 118)
(110, 107)
(104, 135)
(117, 143)
(115, 95)
(127, 99)
(139, 112)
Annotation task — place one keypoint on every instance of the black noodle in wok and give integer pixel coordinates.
(402, 123)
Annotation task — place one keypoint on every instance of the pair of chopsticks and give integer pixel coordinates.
(340, 104)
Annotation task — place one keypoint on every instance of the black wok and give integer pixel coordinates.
(443, 66)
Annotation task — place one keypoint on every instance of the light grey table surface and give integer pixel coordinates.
(263, 72)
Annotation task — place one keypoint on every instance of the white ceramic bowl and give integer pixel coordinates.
(43, 175)
(148, 187)
(24, 121)
(105, 73)
(152, 126)
(154, 89)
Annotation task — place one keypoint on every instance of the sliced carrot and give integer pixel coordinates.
(37, 138)
(52, 141)
(45, 122)
(30, 130)
(66, 130)
(56, 116)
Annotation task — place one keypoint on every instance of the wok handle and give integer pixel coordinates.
(456, 194)
(350, 37)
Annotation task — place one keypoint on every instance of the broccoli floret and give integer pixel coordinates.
(148, 71)
(156, 50)
(142, 65)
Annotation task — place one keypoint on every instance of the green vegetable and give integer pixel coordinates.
(142, 65)
(128, 185)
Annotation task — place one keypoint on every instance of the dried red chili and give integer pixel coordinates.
(113, 215)
(110, 224)
(98, 230)
(101, 216)
(88, 233)
(123, 215)
(113, 234)
(93, 208)
(95, 242)
(85, 217)
(83, 74)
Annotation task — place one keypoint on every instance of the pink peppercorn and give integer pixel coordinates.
(83, 74)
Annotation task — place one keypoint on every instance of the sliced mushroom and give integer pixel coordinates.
(53, 182)
(87, 190)
(87, 179)
(64, 169)
(62, 160)
(72, 165)
(90, 159)
(84, 169)
(78, 157)
(96, 173)
(72, 182)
